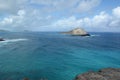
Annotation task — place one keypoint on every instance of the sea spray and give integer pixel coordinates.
(11, 41)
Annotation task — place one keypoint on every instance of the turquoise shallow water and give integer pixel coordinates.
(54, 56)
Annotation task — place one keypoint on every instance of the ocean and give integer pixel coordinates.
(56, 56)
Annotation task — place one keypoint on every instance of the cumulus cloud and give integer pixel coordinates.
(24, 21)
(101, 22)
(34, 15)
(37, 12)
(13, 21)
(116, 12)
(116, 18)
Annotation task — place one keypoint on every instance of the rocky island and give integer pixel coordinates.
(103, 74)
(1, 39)
(77, 32)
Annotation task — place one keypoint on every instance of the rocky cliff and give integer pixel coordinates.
(104, 74)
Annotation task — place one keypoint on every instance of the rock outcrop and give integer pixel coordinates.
(77, 32)
(1, 39)
(104, 74)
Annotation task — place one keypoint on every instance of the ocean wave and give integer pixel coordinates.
(10, 41)
(14, 40)
(95, 35)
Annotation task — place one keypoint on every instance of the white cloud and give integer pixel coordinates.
(13, 20)
(36, 21)
(34, 18)
(115, 23)
(7, 21)
(68, 22)
(100, 22)
(116, 12)
(116, 18)
(24, 21)
(103, 18)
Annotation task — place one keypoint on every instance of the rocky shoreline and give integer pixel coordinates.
(103, 74)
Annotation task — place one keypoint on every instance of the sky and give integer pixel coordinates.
(60, 15)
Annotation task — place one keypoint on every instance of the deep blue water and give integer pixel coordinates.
(56, 56)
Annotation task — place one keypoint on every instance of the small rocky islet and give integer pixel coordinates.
(103, 74)
(77, 32)
(1, 39)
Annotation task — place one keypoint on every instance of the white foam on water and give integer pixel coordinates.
(14, 40)
(10, 41)
(95, 35)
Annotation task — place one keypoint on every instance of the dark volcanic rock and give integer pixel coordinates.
(104, 74)
(1, 39)
(84, 35)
